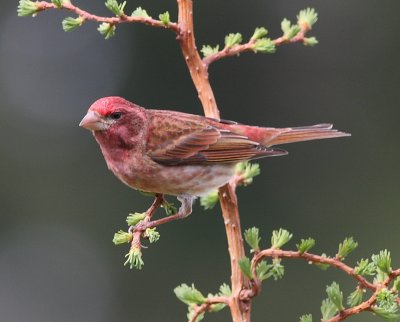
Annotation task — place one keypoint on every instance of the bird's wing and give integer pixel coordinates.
(186, 142)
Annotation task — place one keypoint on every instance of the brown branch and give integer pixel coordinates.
(200, 309)
(229, 51)
(138, 233)
(334, 262)
(43, 5)
(366, 305)
(238, 49)
(317, 259)
(197, 69)
(240, 310)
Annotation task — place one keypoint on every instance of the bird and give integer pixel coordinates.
(180, 154)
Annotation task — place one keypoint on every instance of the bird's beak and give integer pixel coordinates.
(93, 121)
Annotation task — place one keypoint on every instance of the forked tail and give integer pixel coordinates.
(303, 133)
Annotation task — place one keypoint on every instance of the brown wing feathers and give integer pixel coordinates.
(179, 139)
(208, 146)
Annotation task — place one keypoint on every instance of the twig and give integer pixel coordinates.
(200, 309)
(238, 49)
(334, 262)
(43, 5)
(366, 305)
(137, 233)
(316, 259)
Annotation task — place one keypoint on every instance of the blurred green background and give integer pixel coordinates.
(60, 206)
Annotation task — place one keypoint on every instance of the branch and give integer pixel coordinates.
(134, 257)
(197, 68)
(366, 305)
(249, 46)
(198, 310)
(334, 262)
(292, 34)
(43, 5)
(240, 311)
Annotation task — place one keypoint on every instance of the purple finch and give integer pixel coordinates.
(181, 154)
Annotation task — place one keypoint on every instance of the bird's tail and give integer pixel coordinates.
(270, 136)
(303, 133)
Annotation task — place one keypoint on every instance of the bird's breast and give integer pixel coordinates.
(144, 174)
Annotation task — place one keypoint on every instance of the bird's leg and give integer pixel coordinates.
(158, 201)
(184, 211)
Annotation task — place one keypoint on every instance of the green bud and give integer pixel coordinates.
(289, 30)
(335, 295)
(380, 277)
(252, 238)
(311, 41)
(122, 237)
(225, 290)
(134, 218)
(208, 50)
(140, 13)
(210, 200)
(365, 268)
(356, 297)
(189, 295)
(280, 237)
(232, 40)
(264, 46)
(169, 208)
(27, 8)
(107, 30)
(245, 267)
(70, 24)
(328, 310)
(277, 269)
(164, 18)
(134, 258)
(396, 284)
(386, 314)
(259, 32)
(263, 271)
(58, 3)
(305, 245)
(308, 17)
(152, 234)
(115, 7)
(346, 247)
(386, 305)
(306, 318)
(383, 261)
(246, 169)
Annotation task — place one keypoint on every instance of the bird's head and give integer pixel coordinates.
(110, 112)
(114, 118)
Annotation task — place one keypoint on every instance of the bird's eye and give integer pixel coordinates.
(115, 115)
